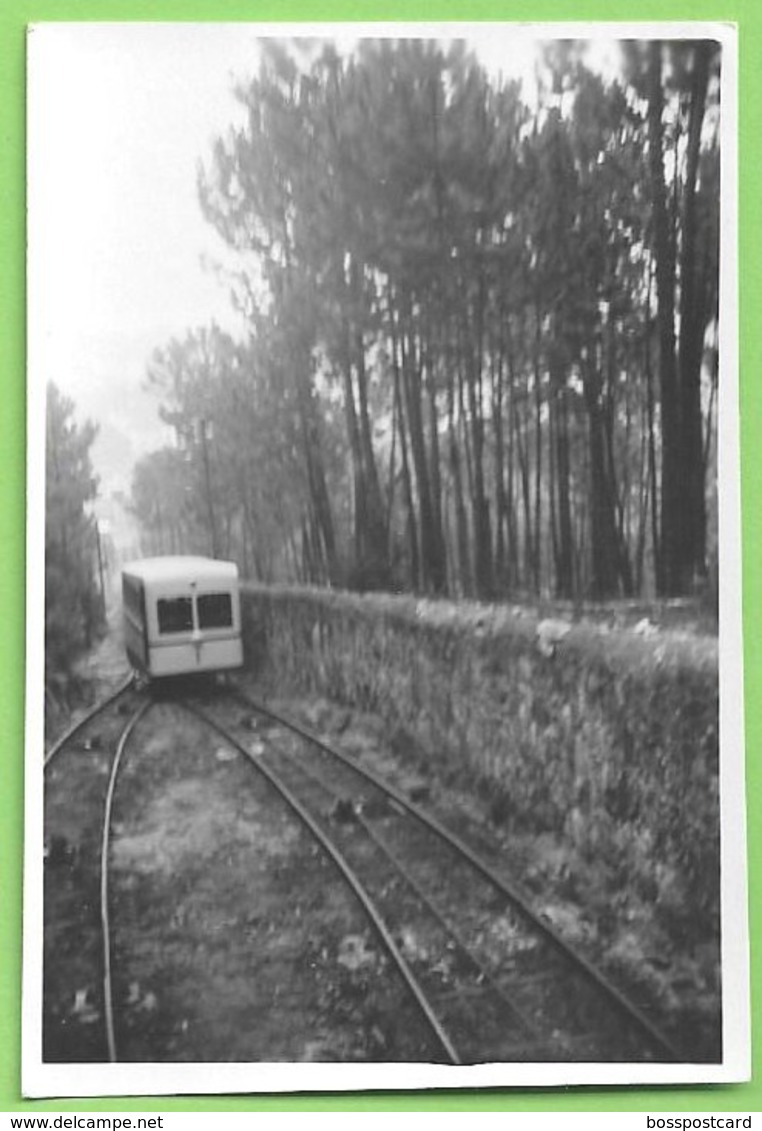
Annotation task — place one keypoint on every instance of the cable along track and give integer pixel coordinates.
(541, 978)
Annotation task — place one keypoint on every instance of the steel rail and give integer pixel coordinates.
(508, 889)
(91, 714)
(108, 1002)
(349, 875)
(483, 970)
(436, 912)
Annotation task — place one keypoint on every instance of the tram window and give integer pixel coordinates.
(175, 615)
(215, 610)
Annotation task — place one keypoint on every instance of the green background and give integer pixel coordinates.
(14, 16)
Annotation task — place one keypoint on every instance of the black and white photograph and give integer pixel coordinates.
(384, 682)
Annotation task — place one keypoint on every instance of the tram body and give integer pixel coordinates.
(181, 615)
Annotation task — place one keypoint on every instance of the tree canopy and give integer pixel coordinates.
(482, 354)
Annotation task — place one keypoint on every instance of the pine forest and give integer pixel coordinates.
(482, 348)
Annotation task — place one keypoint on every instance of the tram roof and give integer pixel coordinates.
(178, 567)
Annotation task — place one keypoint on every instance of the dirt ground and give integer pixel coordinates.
(232, 939)
(675, 980)
(232, 942)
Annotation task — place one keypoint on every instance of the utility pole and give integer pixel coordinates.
(205, 433)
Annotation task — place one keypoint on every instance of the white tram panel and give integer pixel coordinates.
(182, 614)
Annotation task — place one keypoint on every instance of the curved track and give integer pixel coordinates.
(103, 1004)
(81, 889)
(108, 997)
(474, 1007)
(351, 877)
(654, 1042)
(94, 711)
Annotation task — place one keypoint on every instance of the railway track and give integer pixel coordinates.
(101, 969)
(76, 872)
(97, 709)
(519, 993)
(478, 974)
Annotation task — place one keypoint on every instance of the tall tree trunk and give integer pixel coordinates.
(526, 499)
(655, 537)
(318, 488)
(692, 327)
(433, 567)
(375, 564)
(671, 580)
(611, 480)
(565, 549)
(479, 504)
(537, 552)
(411, 522)
(603, 535)
(496, 374)
(513, 550)
(359, 493)
(461, 521)
(435, 473)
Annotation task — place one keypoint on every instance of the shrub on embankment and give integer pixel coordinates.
(603, 737)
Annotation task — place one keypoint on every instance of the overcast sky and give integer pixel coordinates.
(120, 115)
